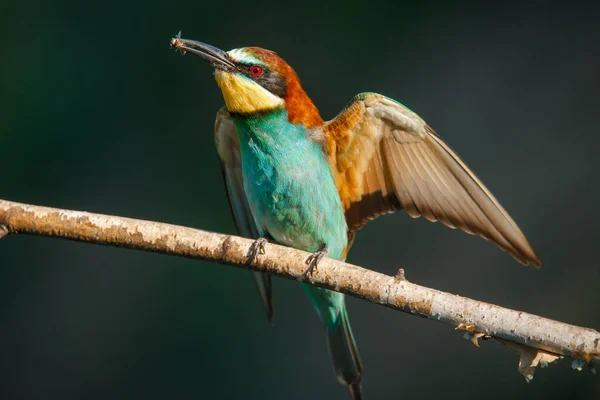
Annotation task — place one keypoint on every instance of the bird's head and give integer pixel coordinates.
(255, 80)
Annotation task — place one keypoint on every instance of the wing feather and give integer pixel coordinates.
(430, 189)
(385, 158)
(444, 191)
(400, 185)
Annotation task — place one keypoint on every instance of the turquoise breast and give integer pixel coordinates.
(289, 185)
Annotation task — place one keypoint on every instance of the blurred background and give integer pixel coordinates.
(98, 114)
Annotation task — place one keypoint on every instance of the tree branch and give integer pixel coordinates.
(538, 340)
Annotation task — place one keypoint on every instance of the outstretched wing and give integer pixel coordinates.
(228, 147)
(386, 158)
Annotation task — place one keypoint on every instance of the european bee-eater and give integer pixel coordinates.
(302, 182)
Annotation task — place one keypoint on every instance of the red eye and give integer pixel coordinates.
(256, 70)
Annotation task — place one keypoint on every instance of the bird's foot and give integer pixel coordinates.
(313, 260)
(258, 247)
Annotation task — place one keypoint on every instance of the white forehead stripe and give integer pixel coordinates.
(240, 55)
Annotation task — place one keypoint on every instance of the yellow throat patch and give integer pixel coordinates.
(244, 96)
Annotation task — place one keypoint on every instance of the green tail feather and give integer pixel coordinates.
(331, 308)
(345, 357)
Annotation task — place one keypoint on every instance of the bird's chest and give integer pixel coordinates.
(291, 192)
(276, 188)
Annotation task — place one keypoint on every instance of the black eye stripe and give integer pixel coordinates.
(268, 79)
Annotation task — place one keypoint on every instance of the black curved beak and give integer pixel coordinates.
(215, 57)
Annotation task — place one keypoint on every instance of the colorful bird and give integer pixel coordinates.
(302, 182)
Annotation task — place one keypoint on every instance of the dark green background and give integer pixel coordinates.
(97, 114)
